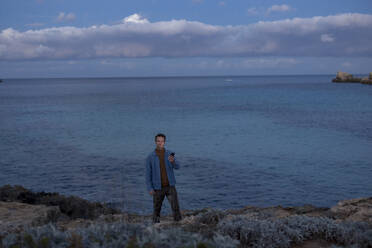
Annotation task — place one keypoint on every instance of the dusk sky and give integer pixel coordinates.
(119, 38)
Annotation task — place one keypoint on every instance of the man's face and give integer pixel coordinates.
(160, 142)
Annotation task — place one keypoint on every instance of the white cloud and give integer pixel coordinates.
(327, 38)
(63, 17)
(135, 18)
(138, 37)
(279, 8)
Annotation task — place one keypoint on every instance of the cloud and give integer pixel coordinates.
(135, 18)
(327, 38)
(269, 62)
(137, 37)
(252, 11)
(249, 63)
(279, 8)
(120, 64)
(62, 17)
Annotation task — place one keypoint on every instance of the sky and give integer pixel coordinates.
(122, 38)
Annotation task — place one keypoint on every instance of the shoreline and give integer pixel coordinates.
(22, 211)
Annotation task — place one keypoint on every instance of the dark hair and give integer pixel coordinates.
(160, 135)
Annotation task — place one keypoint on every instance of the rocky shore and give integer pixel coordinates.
(29, 219)
(343, 77)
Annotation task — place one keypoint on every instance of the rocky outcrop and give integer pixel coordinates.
(354, 210)
(348, 223)
(343, 77)
(367, 80)
(72, 206)
(15, 215)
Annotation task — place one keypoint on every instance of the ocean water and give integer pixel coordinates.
(258, 140)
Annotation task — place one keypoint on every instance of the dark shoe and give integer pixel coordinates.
(155, 220)
(177, 218)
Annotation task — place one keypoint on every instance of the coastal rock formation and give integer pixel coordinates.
(343, 77)
(367, 80)
(15, 215)
(72, 206)
(354, 210)
(348, 224)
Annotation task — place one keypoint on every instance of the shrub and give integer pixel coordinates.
(295, 229)
(227, 233)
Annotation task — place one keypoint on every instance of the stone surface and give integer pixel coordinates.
(72, 206)
(14, 215)
(354, 210)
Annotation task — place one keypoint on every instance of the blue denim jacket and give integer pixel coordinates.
(153, 178)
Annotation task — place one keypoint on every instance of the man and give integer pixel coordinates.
(160, 180)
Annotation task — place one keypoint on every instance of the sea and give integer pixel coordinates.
(240, 140)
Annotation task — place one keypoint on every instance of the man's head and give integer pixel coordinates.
(160, 141)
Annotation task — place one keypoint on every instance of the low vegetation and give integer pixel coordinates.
(207, 229)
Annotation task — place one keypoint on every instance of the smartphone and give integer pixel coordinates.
(172, 154)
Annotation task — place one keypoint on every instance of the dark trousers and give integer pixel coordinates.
(171, 193)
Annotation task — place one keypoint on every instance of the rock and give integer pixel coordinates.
(354, 210)
(342, 77)
(14, 215)
(72, 206)
(366, 80)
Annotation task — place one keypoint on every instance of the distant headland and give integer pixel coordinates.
(344, 77)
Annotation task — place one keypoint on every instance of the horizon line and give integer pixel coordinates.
(175, 76)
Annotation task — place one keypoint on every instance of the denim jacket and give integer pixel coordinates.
(153, 177)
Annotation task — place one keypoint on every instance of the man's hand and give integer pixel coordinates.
(152, 192)
(171, 158)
